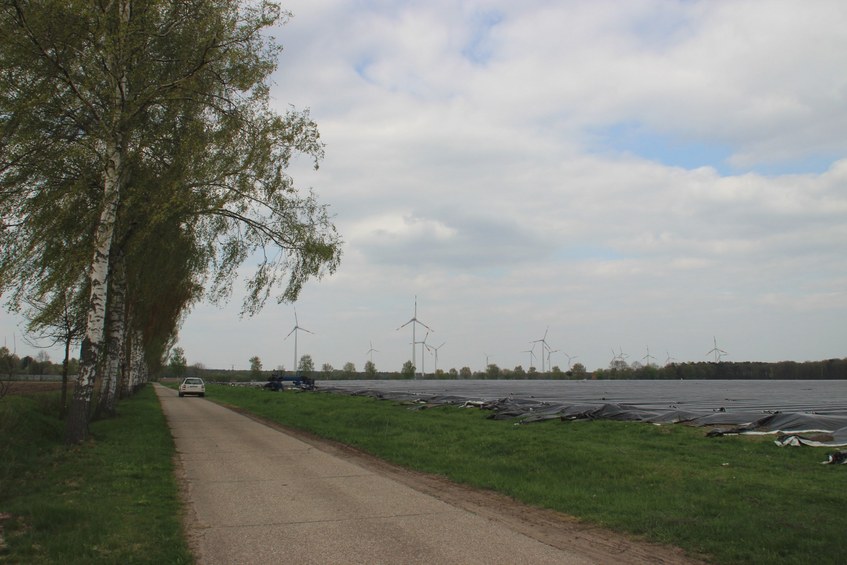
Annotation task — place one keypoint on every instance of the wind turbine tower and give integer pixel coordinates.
(435, 352)
(370, 352)
(297, 329)
(424, 347)
(670, 360)
(543, 342)
(716, 350)
(414, 321)
(532, 355)
(648, 356)
(550, 353)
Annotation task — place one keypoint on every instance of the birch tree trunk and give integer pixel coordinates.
(138, 365)
(92, 344)
(115, 341)
(113, 177)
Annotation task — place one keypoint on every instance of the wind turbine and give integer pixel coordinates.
(370, 352)
(670, 359)
(570, 358)
(531, 356)
(549, 353)
(414, 321)
(717, 351)
(618, 357)
(435, 350)
(297, 329)
(543, 342)
(648, 356)
(424, 346)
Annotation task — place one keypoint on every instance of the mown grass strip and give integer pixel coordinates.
(734, 499)
(113, 499)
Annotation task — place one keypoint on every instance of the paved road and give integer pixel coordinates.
(257, 495)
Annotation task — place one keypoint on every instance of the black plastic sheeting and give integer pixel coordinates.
(791, 428)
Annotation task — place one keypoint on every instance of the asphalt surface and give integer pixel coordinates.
(258, 495)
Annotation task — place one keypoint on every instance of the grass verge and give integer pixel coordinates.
(734, 499)
(113, 499)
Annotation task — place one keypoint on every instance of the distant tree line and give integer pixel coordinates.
(11, 364)
(750, 370)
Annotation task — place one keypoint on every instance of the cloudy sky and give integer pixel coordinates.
(649, 175)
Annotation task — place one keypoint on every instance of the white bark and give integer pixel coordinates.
(95, 326)
(113, 178)
(117, 332)
(135, 375)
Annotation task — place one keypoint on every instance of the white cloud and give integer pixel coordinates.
(618, 172)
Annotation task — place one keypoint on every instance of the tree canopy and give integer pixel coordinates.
(141, 164)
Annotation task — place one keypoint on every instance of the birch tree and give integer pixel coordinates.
(99, 101)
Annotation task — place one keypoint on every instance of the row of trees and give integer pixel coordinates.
(306, 366)
(12, 364)
(783, 370)
(756, 370)
(140, 166)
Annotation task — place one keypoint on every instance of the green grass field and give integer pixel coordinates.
(113, 499)
(738, 500)
(732, 499)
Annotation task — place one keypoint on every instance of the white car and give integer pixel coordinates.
(192, 385)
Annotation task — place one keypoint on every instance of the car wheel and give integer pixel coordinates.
(202, 394)
(181, 395)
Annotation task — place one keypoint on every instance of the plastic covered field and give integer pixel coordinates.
(797, 412)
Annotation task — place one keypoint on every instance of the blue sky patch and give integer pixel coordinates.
(361, 67)
(677, 151)
(666, 149)
(478, 49)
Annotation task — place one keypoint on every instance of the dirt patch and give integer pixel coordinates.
(24, 388)
(547, 526)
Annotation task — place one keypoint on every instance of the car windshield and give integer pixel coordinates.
(193, 381)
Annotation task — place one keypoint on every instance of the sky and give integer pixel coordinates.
(651, 178)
